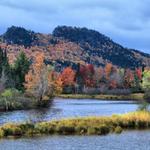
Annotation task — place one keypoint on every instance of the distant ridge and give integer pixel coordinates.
(70, 45)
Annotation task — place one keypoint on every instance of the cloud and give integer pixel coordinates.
(126, 22)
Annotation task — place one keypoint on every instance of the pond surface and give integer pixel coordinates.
(61, 108)
(129, 140)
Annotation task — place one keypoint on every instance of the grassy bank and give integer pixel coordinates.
(22, 103)
(136, 96)
(80, 126)
(12, 99)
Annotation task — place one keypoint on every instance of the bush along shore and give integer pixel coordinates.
(12, 99)
(79, 126)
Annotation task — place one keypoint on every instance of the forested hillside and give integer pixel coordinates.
(68, 46)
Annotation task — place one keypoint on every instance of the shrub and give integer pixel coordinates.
(31, 132)
(65, 129)
(80, 130)
(45, 128)
(26, 126)
(143, 106)
(118, 130)
(91, 131)
(8, 99)
(131, 124)
(141, 124)
(147, 95)
(1, 133)
(12, 130)
(103, 129)
(7, 93)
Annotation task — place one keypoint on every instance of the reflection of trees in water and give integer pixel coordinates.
(43, 114)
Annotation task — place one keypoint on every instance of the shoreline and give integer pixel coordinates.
(133, 97)
(30, 104)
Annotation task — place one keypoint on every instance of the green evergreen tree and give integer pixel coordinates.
(136, 84)
(21, 68)
(79, 81)
(1, 60)
(4, 68)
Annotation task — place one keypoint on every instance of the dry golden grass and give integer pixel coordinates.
(80, 126)
(136, 96)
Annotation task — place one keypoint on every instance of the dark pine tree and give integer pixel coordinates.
(4, 68)
(21, 68)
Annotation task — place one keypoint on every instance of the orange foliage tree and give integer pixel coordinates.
(108, 69)
(67, 77)
(39, 81)
(58, 84)
(111, 76)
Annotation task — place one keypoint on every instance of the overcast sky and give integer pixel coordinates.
(124, 21)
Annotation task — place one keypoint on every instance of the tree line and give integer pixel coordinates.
(36, 79)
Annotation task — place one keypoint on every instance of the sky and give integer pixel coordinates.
(124, 21)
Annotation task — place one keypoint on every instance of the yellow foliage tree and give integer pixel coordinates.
(38, 81)
(58, 85)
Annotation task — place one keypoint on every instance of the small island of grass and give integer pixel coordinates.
(79, 126)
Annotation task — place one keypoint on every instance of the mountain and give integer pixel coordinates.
(20, 36)
(97, 44)
(72, 45)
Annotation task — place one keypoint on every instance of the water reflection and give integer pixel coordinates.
(69, 108)
(129, 140)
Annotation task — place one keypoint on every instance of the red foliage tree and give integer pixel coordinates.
(87, 73)
(138, 73)
(128, 78)
(68, 77)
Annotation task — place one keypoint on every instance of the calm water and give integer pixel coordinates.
(70, 108)
(133, 140)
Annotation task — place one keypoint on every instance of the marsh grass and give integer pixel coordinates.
(135, 96)
(80, 126)
(118, 130)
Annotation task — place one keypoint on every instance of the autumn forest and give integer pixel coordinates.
(39, 67)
